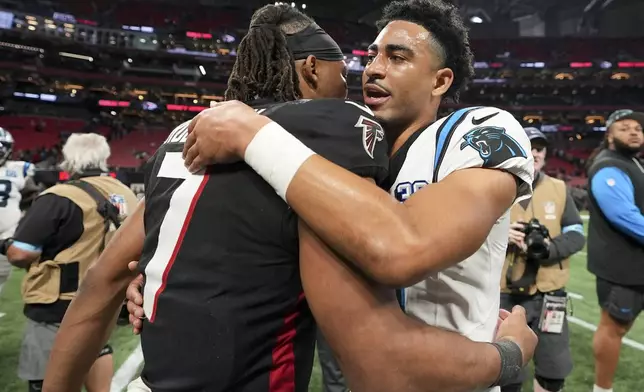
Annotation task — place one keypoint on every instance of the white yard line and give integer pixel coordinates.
(576, 296)
(127, 371)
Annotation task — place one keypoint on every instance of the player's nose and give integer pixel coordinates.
(376, 69)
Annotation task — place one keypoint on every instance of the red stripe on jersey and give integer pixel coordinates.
(282, 376)
(177, 246)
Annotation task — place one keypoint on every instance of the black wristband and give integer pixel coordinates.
(511, 362)
(4, 245)
(107, 350)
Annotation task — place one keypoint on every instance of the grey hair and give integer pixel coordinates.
(84, 151)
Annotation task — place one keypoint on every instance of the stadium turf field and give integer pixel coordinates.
(629, 376)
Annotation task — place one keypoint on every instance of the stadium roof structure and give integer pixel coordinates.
(586, 14)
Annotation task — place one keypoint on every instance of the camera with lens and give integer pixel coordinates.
(535, 240)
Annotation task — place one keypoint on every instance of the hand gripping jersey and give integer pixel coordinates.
(223, 294)
(13, 176)
(465, 297)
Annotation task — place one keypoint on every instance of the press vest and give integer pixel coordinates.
(612, 255)
(48, 281)
(547, 205)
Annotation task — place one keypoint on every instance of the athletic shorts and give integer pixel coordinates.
(36, 346)
(623, 303)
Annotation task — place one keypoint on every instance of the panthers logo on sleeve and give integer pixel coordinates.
(372, 133)
(493, 144)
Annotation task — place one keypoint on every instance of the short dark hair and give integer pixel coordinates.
(265, 67)
(445, 24)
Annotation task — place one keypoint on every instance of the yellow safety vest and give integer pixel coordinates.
(42, 283)
(547, 205)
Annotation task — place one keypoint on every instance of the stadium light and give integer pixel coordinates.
(476, 19)
(76, 56)
(303, 6)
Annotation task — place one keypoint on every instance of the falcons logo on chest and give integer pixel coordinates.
(372, 133)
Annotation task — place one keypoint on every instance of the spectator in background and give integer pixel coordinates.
(616, 238)
(16, 184)
(537, 268)
(64, 231)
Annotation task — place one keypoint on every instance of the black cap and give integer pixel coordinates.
(534, 134)
(625, 114)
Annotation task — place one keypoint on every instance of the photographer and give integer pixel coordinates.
(63, 232)
(544, 233)
(616, 238)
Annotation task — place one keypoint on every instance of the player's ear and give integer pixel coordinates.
(310, 72)
(442, 81)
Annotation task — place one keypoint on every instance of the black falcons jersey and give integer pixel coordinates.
(223, 294)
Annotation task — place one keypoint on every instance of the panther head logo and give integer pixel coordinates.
(493, 144)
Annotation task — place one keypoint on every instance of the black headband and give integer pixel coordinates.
(314, 41)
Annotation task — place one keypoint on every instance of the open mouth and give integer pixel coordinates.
(375, 95)
(483, 147)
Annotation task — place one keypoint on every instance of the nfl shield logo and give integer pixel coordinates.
(119, 202)
(549, 207)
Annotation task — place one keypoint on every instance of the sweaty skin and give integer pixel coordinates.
(362, 320)
(364, 324)
(395, 244)
(371, 331)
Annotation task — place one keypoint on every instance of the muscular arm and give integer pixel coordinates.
(395, 244)
(368, 331)
(92, 313)
(400, 243)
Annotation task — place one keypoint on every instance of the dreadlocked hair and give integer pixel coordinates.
(265, 67)
(450, 36)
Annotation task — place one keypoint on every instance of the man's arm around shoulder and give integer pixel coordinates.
(395, 244)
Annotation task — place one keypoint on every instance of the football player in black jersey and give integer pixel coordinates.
(219, 249)
(421, 56)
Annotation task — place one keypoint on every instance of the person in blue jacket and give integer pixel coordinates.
(616, 238)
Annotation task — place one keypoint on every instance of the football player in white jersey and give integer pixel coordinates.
(14, 178)
(456, 179)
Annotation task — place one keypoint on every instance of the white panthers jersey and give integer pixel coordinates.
(13, 176)
(465, 297)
